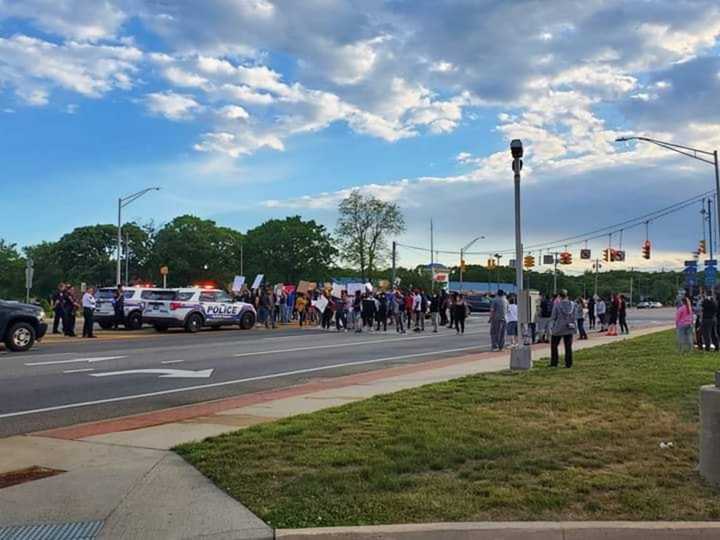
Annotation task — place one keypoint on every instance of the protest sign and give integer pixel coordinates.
(337, 290)
(238, 283)
(352, 288)
(321, 303)
(258, 281)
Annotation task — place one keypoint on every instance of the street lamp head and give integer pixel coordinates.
(516, 148)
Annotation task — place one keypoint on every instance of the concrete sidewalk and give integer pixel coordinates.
(121, 474)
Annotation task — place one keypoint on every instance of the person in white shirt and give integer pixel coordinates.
(512, 321)
(417, 310)
(600, 310)
(88, 305)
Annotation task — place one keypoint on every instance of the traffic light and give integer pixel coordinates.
(529, 261)
(702, 248)
(462, 265)
(646, 249)
(565, 257)
(585, 254)
(606, 254)
(618, 255)
(491, 263)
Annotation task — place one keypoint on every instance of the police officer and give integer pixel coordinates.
(118, 307)
(58, 299)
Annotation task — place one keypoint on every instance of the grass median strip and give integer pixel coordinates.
(549, 444)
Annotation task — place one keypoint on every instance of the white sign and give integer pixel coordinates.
(238, 283)
(337, 290)
(368, 287)
(321, 303)
(352, 288)
(258, 281)
(441, 277)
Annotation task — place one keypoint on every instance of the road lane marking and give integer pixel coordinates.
(236, 381)
(164, 373)
(75, 360)
(171, 361)
(83, 370)
(343, 344)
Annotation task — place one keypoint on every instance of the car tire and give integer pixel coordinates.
(194, 323)
(134, 321)
(161, 328)
(20, 337)
(105, 325)
(247, 321)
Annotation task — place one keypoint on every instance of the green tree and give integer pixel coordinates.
(196, 249)
(12, 276)
(288, 250)
(363, 228)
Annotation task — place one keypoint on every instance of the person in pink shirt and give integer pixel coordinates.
(684, 325)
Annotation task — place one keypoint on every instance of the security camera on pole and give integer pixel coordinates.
(521, 356)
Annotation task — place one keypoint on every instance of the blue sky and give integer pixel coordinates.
(250, 109)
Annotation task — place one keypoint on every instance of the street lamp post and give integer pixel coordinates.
(521, 356)
(462, 258)
(695, 153)
(122, 203)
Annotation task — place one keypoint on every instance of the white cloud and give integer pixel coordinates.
(233, 112)
(33, 67)
(171, 105)
(74, 19)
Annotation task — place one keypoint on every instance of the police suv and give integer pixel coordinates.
(135, 300)
(193, 308)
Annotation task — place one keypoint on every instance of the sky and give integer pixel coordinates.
(246, 110)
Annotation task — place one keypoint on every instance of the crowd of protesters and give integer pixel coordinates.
(401, 310)
(696, 320)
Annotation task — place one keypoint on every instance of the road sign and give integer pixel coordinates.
(711, 262)
(710, 276)
(585, 254)
(548, 259)
(164, 270)
(690, 263)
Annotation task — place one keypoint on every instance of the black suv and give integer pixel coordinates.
(21, 325)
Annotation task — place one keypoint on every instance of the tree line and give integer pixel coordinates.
(284, 250)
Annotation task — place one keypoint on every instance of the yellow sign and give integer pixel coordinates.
(164, 270)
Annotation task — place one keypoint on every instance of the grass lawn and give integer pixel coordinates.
(549, 444)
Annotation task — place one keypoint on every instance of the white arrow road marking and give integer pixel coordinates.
(75, 360)
(171, 361)
(236, 381)
(344, 344)
(164, 373)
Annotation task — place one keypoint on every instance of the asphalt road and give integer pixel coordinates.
(62, 384)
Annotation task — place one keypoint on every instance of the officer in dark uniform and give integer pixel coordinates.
(70, 304)
(58, 300)
(119, 307)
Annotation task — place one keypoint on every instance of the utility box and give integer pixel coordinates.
(710, 432)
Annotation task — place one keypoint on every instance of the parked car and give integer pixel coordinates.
(478, 303)
(136, 299)
(195, 308)
(21, 325)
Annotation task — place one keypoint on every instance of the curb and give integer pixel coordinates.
(554, 530)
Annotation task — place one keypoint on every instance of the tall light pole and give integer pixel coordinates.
(521, 356)
(462, 259)
(695, 153)
(122, 203)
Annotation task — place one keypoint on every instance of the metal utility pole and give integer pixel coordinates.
(29, 271)
(432, 256)
(555, 262)
(597, 267)
(521, 356)
(394, 255)
(127, 260)
(695, 153)
(462, 256)
(631, 285)
(122, 203)
(497, 271)
(710, 228)
(242, 273)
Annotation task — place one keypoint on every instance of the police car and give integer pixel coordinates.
(193, 308)
(135, 300)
